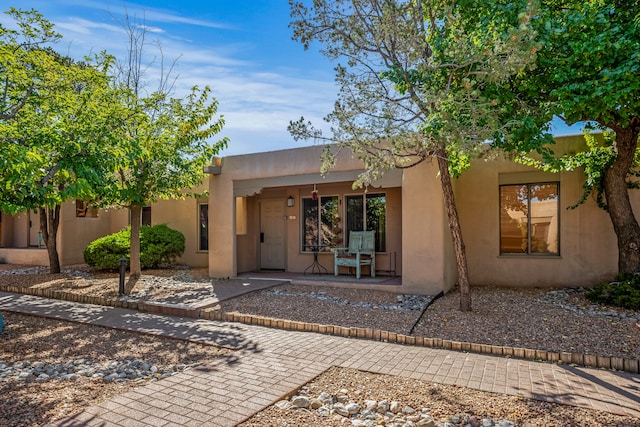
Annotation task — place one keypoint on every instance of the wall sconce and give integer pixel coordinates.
(291, 201)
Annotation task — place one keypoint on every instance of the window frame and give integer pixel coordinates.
(200, 224)
(304, 247)
(529, 252)
(364, 218)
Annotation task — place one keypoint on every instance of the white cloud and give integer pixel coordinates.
(257, 102)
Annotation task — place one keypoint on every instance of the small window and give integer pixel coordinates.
(203, 227)
(146, 215)
(319, 223)
(83, 210)
(368, 213)
(529, 219)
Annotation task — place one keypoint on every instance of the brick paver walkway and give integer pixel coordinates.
(269, 363)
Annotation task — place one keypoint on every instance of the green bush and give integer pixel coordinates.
(159, 245)
(624, 292)
(105, 252)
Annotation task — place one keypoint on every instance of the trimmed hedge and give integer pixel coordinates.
(159, 245)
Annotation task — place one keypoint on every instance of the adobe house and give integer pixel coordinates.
(268, 211)
(274, 212)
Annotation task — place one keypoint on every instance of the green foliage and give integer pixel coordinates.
(624, 292)
(55, 119)
(421, 78)
(159, 245)
(105, 252)
(586, 70)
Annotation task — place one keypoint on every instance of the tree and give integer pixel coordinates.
(412, 87)
(165, 140)
(54, 125)
(587, 71)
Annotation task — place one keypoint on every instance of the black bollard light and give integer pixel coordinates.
(123, 270)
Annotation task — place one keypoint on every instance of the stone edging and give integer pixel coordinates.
(615, 363)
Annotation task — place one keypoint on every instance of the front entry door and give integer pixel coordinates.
(272, 222)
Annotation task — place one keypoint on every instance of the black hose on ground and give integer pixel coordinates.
(424, 310)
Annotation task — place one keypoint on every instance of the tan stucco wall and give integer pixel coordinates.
(75, 233)
(284, 163)
(248, 243)
(182, 215)
(222, 241)
(588, 249)
(428, 259)
(304, 162)
(24, 256)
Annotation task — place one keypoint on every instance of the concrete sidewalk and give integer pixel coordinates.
(269, 363)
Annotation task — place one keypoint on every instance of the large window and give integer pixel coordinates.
(365, 213)
(203, 227)
(529, 219)
(319, 223)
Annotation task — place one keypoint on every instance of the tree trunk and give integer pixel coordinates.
(616, 191)
(456, 231)
(49, 222)
(134, 251)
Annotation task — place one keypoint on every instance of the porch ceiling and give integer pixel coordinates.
(250, 187)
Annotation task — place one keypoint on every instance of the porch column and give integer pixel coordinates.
(222, 233)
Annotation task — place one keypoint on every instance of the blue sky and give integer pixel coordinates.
(242, 49)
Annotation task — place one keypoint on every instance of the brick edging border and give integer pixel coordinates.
(615, 363)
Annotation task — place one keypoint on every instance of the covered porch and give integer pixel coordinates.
(275, 212)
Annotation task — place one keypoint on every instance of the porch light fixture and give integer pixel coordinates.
(291, 201)
(314, 193)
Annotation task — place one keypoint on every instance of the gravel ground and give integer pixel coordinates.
(443, 403)
(536, 318)
(35, 339)
(530, 318)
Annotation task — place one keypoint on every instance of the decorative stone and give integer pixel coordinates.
(426, 422)
(383, 407)
(300, 402)
(371, 405)
(283, 404)
(315, 403)
(353, 408)
(408, 410)
(340, 409)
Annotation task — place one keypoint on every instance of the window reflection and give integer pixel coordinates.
(529, 218)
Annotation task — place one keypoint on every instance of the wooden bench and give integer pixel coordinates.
(361, 251)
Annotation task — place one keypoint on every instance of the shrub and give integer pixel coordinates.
(159, 245)
(105, 252)
(624, 292)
